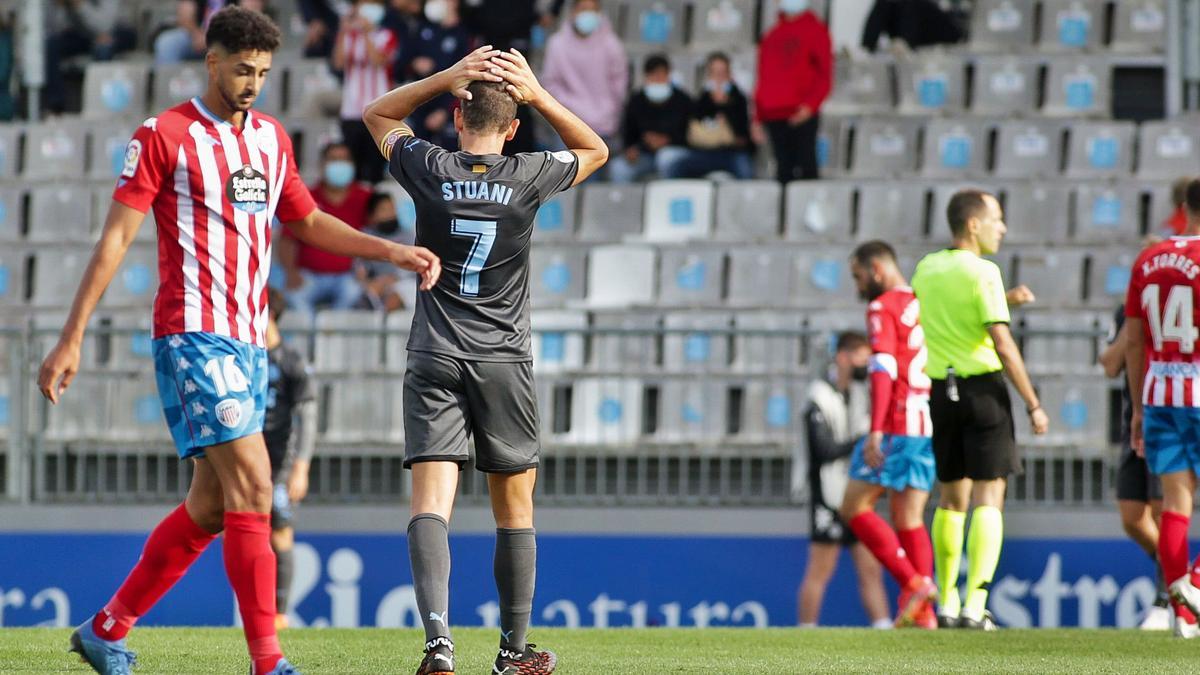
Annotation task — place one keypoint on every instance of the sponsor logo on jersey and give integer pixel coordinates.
(247, 190)
(229, 413)
(133, 155)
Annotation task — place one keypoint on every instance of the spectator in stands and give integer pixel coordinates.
(916, 23)
(719, 131)
(321, 23)
(1176, 223)
(316, 277)
(838, 415)
(655, 127)
(441, 41)
(385, 286)
(586, 69)
(363, 51)
(185, 40)
(795, 75)
(78, 27)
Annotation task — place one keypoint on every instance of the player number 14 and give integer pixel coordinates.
(1174, 321)
(483, 234)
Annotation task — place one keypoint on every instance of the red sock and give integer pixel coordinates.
(250, 564)
(919, 549)
(1173, 545)
(879, 537)
(169, 551)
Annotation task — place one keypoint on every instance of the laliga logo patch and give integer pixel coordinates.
(229, 413)
(247, 190)
(133, 155)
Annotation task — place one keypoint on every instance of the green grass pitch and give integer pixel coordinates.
(375, 651)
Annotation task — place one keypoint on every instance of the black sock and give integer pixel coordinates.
(429, 552)
(284, 565)
(515, 568)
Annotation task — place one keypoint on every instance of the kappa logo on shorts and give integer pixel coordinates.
(229, 413)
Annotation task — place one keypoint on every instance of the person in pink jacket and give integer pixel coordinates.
(587, 70)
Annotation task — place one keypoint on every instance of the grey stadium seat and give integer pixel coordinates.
(690, 276)
(656, 24)
(771, 409)
(691, 410)
(955, 148)
(1078, 413)
(1002, 25)
(1101, 149)
(1066, 344)
(606, 410)
(621, 276)
(704, 347)
(1037, 213)
(108, 143)
(819, 211)
(310, 80)
(10, 144)
(1071, 25)
(722, 22)
(821, 278)
(632, 348)
(132, 346)
(884, 147)
(137, 279)
(610, 212)
(102, 199)
(85, 413)
(1107, 212)
(359, 410)
(557, 275)
(1054, 275)
(54, 150)
(115, 89)
(340, 353)
(12, 276)
(558, 340)
(1139, 26)
(137, 413)
(1108, 280)
(832, 140)
(758, 276)
(1005, 85)
(1078, 86)
(861, 85)
(748, 210)
(931, 81)
(767, 341)
(8, 408)
(59, 213)
(175, 84)
(10, 214)
(678, 210)
(1027, 149)
(396, 329)
(556, 218)
(1168, 150)
(891, 210)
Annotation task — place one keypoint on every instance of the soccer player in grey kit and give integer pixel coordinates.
(469, 365)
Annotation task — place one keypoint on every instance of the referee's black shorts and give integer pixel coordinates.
(973, 437)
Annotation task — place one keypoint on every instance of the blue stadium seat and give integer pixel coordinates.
(1107, 212)
(1002, 25)
(819, 211)
(342, 353)
(621, 276)
(558, 340)
(1071, 25)
(557, 275)
(58, 213)
(678, 210)
(891, 210)
(7, 408)
(759, 276)
(1167, 149)
(748, 210)
(655, 24)
(821, 278)
(1027, 149)
(1139, 26)
(1109, 276)
(1078, 413)
(861, 86)
(137, 413)
(1078, 87)
(885, 147)
(606, 410)
(691, 410)
(132, 345)
(1005, 85)
(1101, 150)
(611, 212)
(115, 89)
(108, 143)
(955, 148)
(54, 150)
(137, 279)
(556, 219)
(705, 347)
(690, 276)
(771, 409)
(932, 81)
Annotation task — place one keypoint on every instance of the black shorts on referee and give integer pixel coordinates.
(974, 436)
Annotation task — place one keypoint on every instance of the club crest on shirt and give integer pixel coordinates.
(133, 155)
(247, 190)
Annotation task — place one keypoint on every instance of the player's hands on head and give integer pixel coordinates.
(58, 370)
(1021, 295)
(1039, 421)
(873, 450)
(420, 260)
(472, 68)
(523, 85)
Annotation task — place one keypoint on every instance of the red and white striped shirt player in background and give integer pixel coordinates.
(896, 457)
(216, 173)
(364, 52)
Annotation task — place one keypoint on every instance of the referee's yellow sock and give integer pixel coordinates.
(983, 549)
(947, 555)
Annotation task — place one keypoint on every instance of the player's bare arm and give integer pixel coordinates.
(61, 364)
(1014, 368)
(579, 138)
(1135, 371)
(386, 114)
(330, 233)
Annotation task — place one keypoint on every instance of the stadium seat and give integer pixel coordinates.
(556, 219)
(891, 210)
(558, 340)
(11, 199)
(359, 410)
(748, 210)
(691, 410)
(1071, 25)
(59, 213)
(177, 83)
(767, 341)
(1139, 26)
(8, 408)
(955, 148)
(396, 329)
(832, 138)
(885, 147)
(339, 352)
(296, 329)
(131, 345)
(1027, 149)
(137, 413)
(1002, 25)
(1054, 275)
(771, 409)
(83, 415)
(109, 142)
(10, 145)
(1059, 342)
(314, 137)
(758, 276)
(54, 150)
(1167, 149)
(1100, 150)
(1037, 213)
(704, 347)
(819, 211)
(136, 282)
(115, 89)
(606, 410)
(690, 276)
(1108, 277)
(1107, 212)
(821, 278)
(310, 80)
(654, 23)
(611, 212)
(931, 81)
(620, 276)
(625, 342)
(1005, 85)
(861, 86)
(557, 275)
(678, 210)
(12, 276)
(1078, 410)
(717, 23)
(1161, 206)
(1078, 87)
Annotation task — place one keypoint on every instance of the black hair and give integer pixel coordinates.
(655, 62)
(850, 340)
(963, 206)
(872, 250)
(377, 198)
(328, 147)
(717, 56)
(490, 108)
(1192, 198)
(276, 303)
(238, 30)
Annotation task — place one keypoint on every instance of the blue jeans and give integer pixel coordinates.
(665, 163)
(173, 46)
(337, 291)
(700, 163)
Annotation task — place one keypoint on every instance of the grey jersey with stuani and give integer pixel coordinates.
(476, 212)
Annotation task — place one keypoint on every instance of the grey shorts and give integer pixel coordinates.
(448, 401)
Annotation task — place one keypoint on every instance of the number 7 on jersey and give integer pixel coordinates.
(483, 232)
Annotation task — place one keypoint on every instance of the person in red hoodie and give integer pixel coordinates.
(795, 75)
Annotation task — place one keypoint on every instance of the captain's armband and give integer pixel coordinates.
(391, 138)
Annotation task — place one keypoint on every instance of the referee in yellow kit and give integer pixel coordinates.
(964, 311)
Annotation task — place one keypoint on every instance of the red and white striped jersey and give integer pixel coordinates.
(900, 387)
(364, 81)
(215, 190)
(1164, 293)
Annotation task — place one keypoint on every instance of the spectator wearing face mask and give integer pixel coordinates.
(585, 69)
(655, 127)
(364, 51)
(719, 131)
(316, 277)
(384, 285)
(440, 42)
(795, 75)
